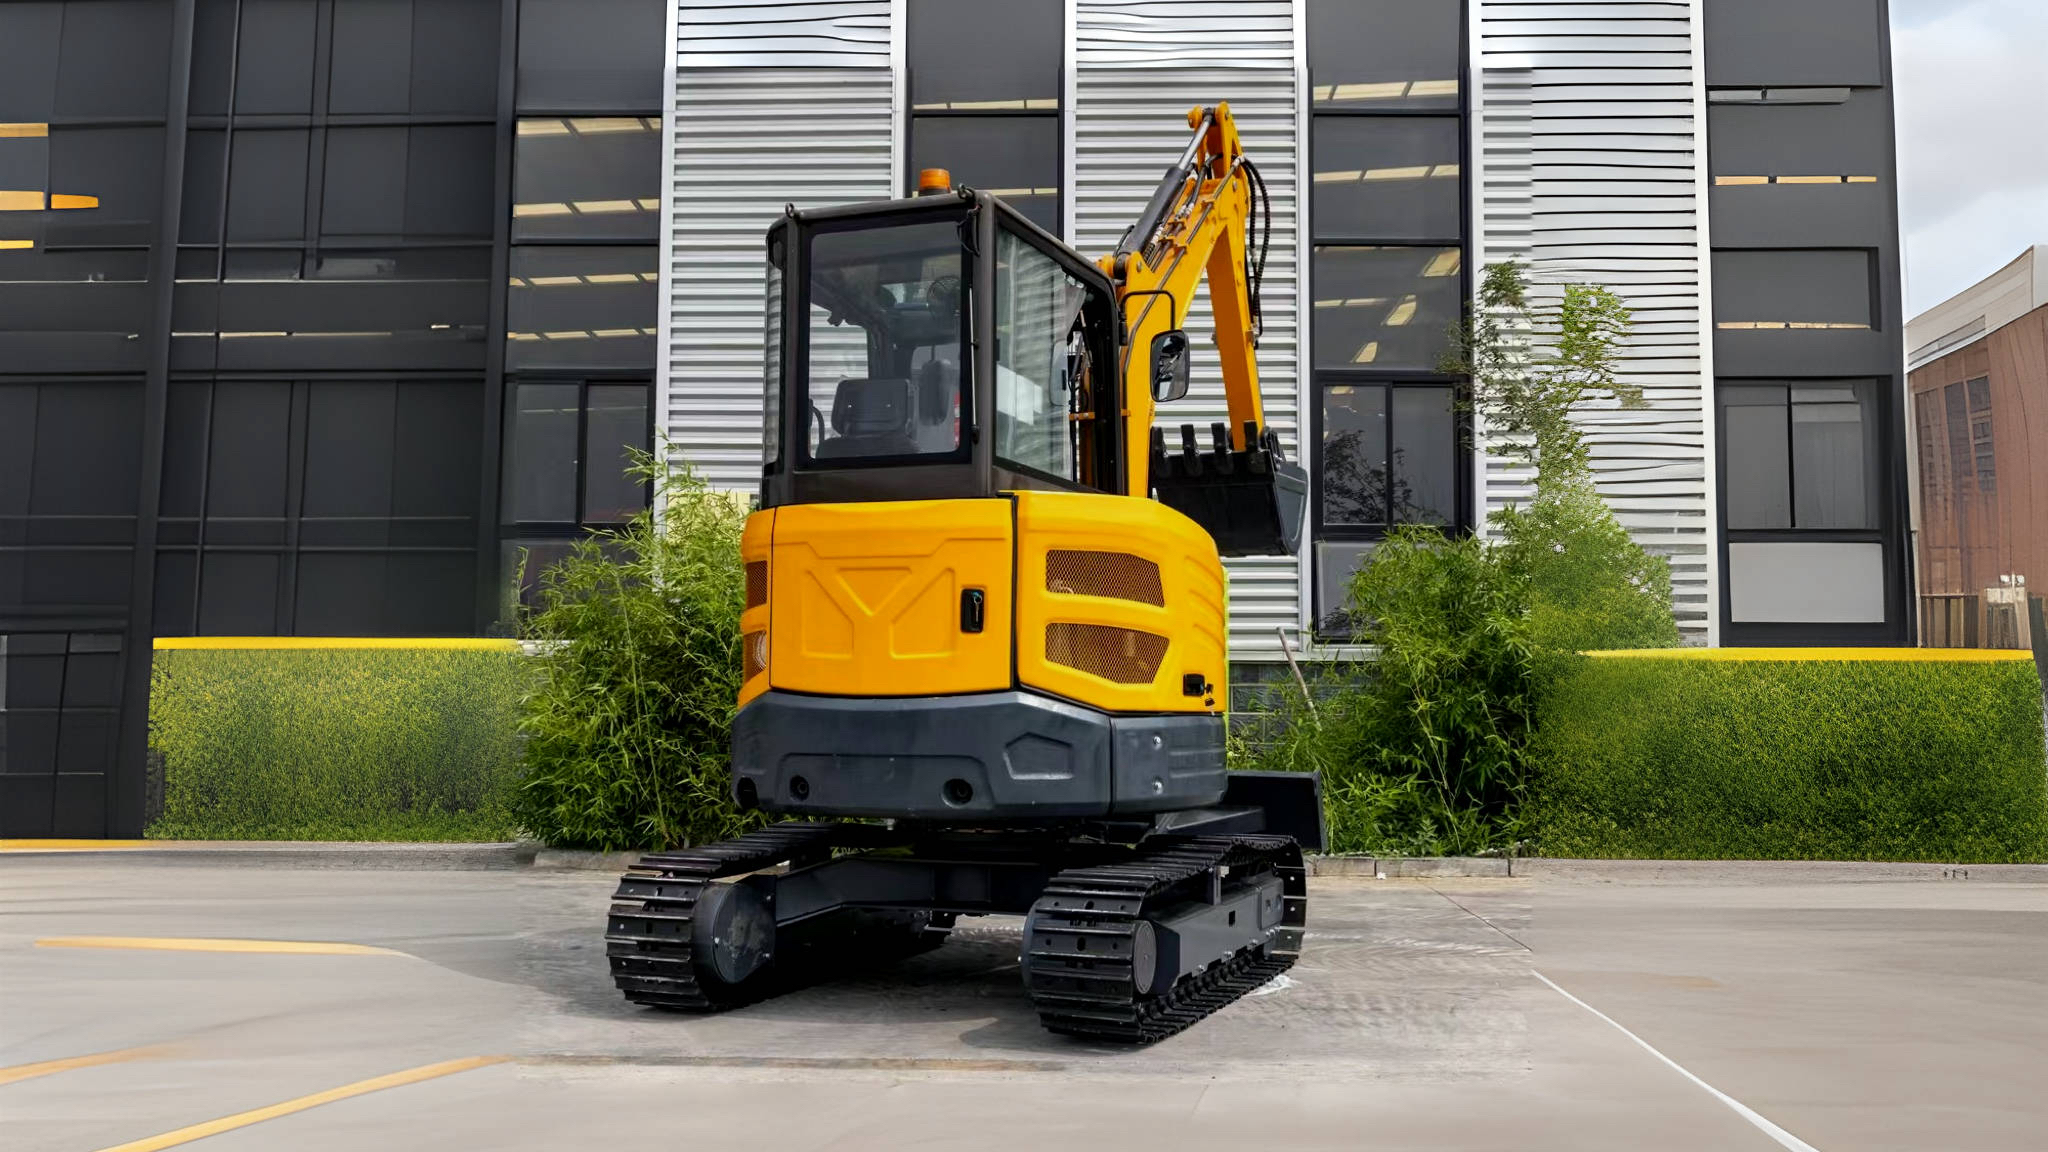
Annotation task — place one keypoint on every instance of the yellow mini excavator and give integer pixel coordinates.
(984, 637)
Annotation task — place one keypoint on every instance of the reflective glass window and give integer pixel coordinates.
(1384, 54)
(1014, 157)
(541, 460)
(1353, 458)
(1793, 288)
(587, 177)
(572, 306)
(1384, 307)
(1386, 178)
(952, 65)
(591, 54)
(1800, 455)
(615, 424)
(1389, 455)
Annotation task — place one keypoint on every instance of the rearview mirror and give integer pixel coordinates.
(1169, 365)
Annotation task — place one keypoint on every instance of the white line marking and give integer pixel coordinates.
(1785, 1139)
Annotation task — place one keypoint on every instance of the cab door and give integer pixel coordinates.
(892, 598)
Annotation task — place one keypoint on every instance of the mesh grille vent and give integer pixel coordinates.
(1117, 575)
(1119, 655)
(757, 583)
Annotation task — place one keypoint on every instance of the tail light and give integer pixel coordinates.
(755, 654)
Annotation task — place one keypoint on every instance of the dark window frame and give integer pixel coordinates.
(583, 380)
(1876, 499)
(522, 533)
(908, 118)
(1983, 448)
(1318, 379)
(797, 297)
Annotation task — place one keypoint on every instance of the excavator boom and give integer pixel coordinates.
(1200, 224)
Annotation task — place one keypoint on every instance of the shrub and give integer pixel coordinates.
(629, 728)
(1590, 585)
(1420, 751)
(289, 743)
(1906, 755)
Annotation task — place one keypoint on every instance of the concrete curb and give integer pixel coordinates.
(1411, 867)
(303, 854)
(577, 859)
(1770, 871)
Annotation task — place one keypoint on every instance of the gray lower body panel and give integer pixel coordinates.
(994, 755)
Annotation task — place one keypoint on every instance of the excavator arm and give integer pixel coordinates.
(1200, 222)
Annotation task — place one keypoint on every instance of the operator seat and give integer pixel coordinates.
(871, 417)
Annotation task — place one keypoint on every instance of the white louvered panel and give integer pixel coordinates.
(794, 34)
(1505, 224)
(1130, 124)
(1589, 135)
(749, 141)
(1199, 34)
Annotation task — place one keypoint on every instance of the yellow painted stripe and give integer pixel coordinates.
(193, 1132)
(23, 131)
(63, 200)
(92, 1060)
(446, 643)
(209, 944)
(75, 845)
(1902, 655)
(18, 200)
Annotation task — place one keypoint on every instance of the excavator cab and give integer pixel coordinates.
(882, 385)
(936, 348)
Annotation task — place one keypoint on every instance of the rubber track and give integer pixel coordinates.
(1077, 963)
(647, 935)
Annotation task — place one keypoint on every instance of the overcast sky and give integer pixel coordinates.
(1972, 80)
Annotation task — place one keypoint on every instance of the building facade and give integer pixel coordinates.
(1978, 392)
(317, 315)
(1727, 166)
(312, 312)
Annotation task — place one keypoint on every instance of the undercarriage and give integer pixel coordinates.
(1131, 932)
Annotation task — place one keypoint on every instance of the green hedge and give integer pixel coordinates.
(336, 743)
(1759, 754)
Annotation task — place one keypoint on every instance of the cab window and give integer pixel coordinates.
(1042, 362)
(884, 334)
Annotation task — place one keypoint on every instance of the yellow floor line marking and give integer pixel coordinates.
(207, 944)
(200, 1131)
(90, 1060)
(74, 845)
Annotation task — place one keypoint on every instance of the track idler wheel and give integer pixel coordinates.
(732, 937)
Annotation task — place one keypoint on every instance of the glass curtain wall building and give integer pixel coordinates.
(312, 314)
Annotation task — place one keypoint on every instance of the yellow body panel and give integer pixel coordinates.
(865, 598)
(1190, 576)
(755, 542)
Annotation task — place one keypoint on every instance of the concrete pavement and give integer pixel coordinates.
(1846, 1012)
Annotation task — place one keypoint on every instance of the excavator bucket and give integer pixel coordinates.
(1251, 501)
